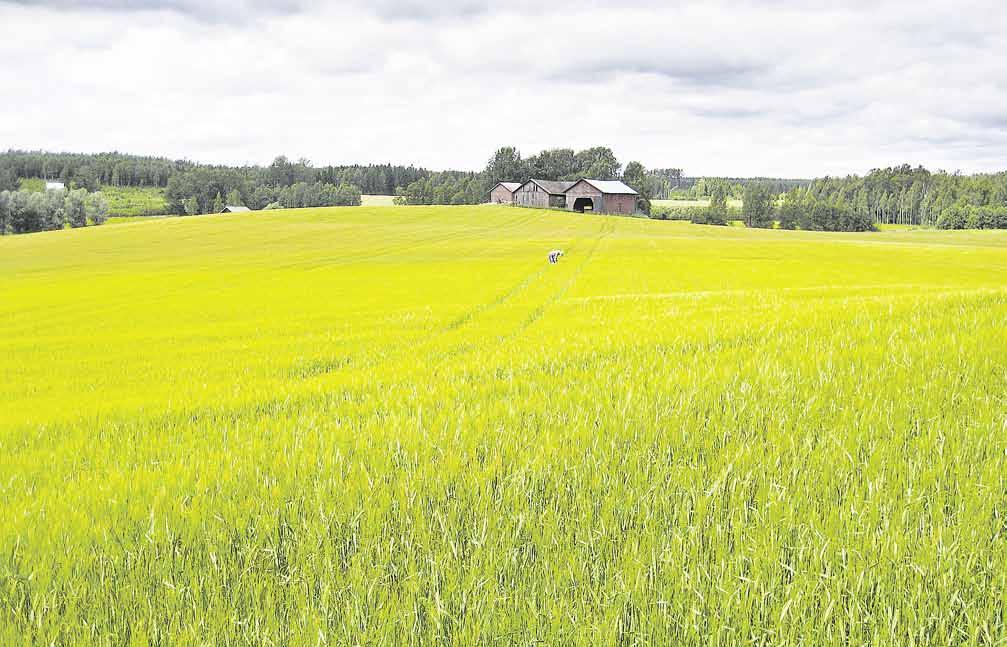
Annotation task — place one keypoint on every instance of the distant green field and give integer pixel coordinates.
(118, 220)
(134, 200)
(402, 426)
(683, 204)
(31, 184)
(377, 200)
(886, 227)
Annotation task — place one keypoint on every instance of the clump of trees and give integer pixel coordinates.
(799, 208)
(717, 213)
(758, 205)
(671, 184)
(962, 215)
(803, 209)
(90, 170)
(446, 187)
(318, 194)
(23, 212)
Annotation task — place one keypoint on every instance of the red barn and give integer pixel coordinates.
(601, 196)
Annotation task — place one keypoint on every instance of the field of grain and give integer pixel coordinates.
(402, 426)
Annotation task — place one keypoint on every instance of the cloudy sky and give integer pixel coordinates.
(791, 88)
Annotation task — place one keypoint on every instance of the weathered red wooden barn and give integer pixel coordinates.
(601, 196)
(503, 192)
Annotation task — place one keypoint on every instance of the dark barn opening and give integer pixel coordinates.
(583, 204)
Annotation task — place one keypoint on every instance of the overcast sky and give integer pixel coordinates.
(778, 87)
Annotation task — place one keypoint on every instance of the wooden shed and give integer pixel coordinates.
(503, 192)
(234, 208)
(601, 196)
(542, 194)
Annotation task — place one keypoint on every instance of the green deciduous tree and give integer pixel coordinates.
(757, 207)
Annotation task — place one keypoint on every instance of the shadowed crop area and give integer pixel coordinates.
(397, 426)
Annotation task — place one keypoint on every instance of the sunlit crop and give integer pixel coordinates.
(393, 426)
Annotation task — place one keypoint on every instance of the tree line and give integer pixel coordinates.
(894, 195)
(207, 189)
(916, 196)
(201, 188)
(23, 212)
(763, 206)
(87, 171)
(671, 184)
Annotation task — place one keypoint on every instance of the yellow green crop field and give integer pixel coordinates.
(402, 426)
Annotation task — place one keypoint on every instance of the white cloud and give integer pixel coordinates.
(730, 87)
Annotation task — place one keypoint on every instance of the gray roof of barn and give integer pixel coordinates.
(555, 187)
(610, 186)
(510, 186)
(234, 208)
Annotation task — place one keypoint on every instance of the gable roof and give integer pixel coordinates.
(232, 208)
(610, 186)
(553, 187)
(510, 186)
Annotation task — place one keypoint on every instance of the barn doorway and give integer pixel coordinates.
(581, 205)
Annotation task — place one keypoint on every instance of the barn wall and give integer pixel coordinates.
(620, 203)
(500, 195)
(603, 203)
(531, 195)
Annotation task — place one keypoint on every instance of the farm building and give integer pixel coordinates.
(503, 192)
(542, 194)
(54, 186)
(601, 196)
(232, 208)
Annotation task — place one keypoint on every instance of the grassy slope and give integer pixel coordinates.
(384, 424)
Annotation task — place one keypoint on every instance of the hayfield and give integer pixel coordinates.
(132, 201)
(402, 426)
(686, 204)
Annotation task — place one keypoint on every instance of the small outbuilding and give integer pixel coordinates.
(54, 186)
(503, 192)
(542, 194)
(234, 208)
(601, 196)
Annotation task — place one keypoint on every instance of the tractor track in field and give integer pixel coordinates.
(415, 346)
(538, 311)
(536, 314)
